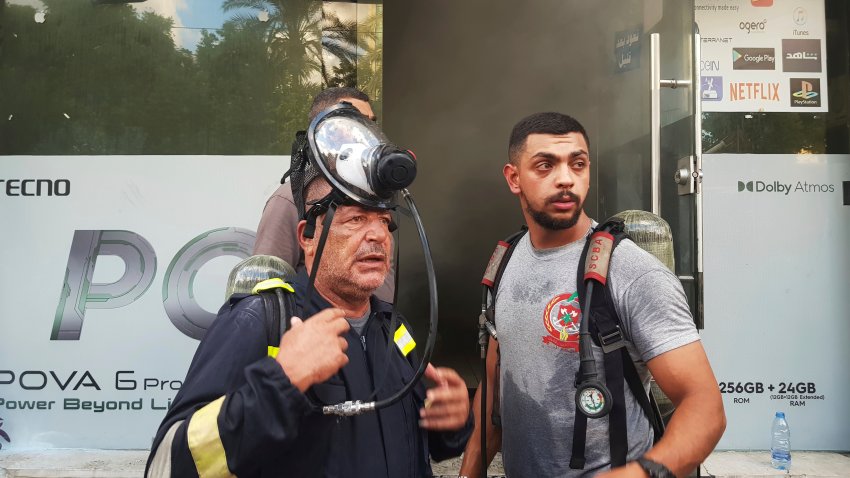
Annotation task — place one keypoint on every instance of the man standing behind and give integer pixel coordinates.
(549, 171)
(276, 234)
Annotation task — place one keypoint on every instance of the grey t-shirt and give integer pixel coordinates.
(358, 323)
(537, 316)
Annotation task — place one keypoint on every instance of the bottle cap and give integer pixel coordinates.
(780, 414)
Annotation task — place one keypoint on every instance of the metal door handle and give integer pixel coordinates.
(655, 121)
(700, 318)
(655, 85)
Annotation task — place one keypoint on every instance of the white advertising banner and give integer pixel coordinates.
(112, 268)
(777, 295)
(762, 55)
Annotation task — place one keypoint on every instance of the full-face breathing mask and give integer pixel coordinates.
(350, 152)
(357, 159)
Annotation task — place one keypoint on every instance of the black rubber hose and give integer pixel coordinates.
(433, 312)
(587, 364)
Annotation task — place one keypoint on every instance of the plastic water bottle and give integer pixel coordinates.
(780, 445)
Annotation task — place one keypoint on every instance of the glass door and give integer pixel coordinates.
(648, 133)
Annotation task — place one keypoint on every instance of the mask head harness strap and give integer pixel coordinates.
(302, 171)
(327, 206)
(298, 146)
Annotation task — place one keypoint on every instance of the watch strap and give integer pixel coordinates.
(655, 469)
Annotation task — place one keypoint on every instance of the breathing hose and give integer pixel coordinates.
(357, 407)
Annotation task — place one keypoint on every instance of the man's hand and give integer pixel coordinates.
(312, 351)
(630, 470)
(447, 404)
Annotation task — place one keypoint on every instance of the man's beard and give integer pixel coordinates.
(335, 270)
(547, 221)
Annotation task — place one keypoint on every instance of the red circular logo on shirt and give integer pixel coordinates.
(561, 318)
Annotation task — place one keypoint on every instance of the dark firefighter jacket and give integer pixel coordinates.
(238, 414)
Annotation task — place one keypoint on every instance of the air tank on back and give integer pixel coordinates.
(653, 234)
(255, 269)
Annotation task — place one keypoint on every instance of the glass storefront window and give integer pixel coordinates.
(176, 77)
(794, 133)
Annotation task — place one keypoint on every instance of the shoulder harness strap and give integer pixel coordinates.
(607, 333)
(279, 305)
(499, 260)
(492, 277)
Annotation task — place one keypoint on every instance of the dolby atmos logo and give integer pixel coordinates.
(784, 188)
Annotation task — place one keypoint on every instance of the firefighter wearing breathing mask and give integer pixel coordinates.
(252, 408)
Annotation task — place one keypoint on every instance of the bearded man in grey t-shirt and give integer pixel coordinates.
(537, 313)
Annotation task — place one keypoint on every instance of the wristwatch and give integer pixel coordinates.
(655, 469)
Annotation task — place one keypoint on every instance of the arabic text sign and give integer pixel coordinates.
(627, 49)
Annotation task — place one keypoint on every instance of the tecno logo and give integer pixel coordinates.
(784, 188)
(36, 187)
(753, 27)
(81, 293)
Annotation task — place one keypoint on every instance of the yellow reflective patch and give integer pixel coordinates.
(273, 351)
(205, 442)
(403, 340)
(271, 284)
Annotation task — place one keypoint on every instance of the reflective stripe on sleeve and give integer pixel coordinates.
(161, 463)
(205, 442)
